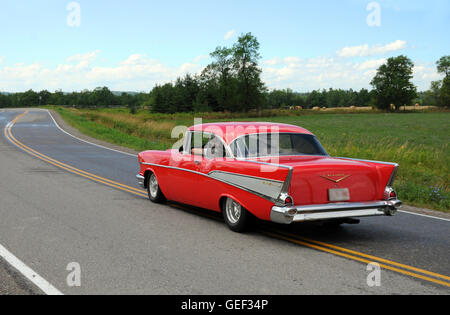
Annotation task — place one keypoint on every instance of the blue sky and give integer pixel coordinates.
(132, 45)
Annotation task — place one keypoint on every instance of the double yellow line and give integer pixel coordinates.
(361, 257)
(69, 168)
(292, 238)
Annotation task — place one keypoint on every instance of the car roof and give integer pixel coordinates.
(230, 131)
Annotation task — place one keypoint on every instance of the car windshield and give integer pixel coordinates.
(276, 144)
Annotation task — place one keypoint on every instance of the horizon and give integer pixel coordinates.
(83, 45)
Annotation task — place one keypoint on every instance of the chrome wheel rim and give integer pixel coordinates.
(153, 185)
(233, 211)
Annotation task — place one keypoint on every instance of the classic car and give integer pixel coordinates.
(274, 172)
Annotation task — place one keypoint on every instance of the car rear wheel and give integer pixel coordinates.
(236, 217)
(154, 192)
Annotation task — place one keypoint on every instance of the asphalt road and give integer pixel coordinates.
(50, 217)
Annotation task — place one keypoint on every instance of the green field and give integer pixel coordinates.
(419, 142)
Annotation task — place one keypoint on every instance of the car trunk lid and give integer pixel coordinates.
(321, 180)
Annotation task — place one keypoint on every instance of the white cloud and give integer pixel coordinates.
(229, 34)
(426, 72)
(277, 61)
(325, 72)
(371, 64)
(84, 57)
(138, 72)
(366, 50)
(2, 59)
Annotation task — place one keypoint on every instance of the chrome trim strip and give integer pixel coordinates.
(369, 161)
(141, 180)
(274, 200)
(249, 176)
(266, 187)
(175, 168)
(288, 215)
(263, 163)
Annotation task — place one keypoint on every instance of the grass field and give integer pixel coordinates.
(419, 142)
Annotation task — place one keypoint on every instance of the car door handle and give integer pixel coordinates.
(197, 162)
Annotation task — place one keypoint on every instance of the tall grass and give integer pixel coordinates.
(419, 142)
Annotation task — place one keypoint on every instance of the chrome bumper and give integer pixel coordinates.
(288, 215)
(141, 180)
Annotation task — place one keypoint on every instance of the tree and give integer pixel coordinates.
(250, 86)
(221, 74)
(29, 98)
(431, 97)
(392, 83)
(443, 66)
(444, 97)
(44, 97)
(5, 100)
(364, 98)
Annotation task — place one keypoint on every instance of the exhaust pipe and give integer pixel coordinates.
(393, 207)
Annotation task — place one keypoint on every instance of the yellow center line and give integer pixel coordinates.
(376, 259)
(42, 157)
(317, 245)
(307, 243)
(65, 165)
(323, 249)
(71, 167)
(58, 162)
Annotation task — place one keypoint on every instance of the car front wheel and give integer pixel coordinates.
(154, 191)
(236, 217)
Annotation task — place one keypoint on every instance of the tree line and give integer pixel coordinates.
(232, 82)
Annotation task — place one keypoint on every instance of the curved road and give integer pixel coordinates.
(64, 200)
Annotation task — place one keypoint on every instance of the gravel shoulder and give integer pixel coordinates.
(11, 283)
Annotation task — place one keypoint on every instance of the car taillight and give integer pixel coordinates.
(289, 201)
(390, 194)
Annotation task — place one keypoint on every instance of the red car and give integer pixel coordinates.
(275, 172)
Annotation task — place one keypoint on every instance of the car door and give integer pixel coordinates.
(187, 178)
(205, 149)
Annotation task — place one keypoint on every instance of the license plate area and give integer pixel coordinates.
(339, 194)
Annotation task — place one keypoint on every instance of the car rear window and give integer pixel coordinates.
(263, 145)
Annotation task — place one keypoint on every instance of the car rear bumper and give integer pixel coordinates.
(141, 180)
(288, 215)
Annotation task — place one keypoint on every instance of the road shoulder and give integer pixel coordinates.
(13, 283)
(75, 132)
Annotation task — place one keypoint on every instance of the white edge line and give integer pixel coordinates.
(28, 273)
(100, 146)
(424, 215)
(97, 145)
